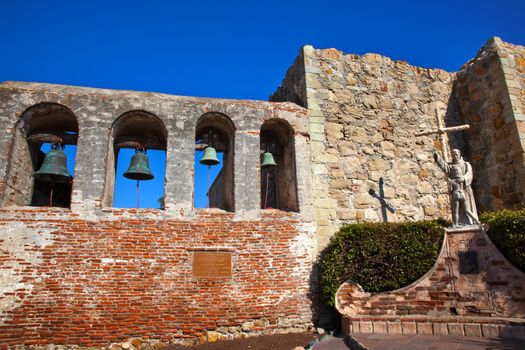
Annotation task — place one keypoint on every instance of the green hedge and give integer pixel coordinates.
(380, 256)
(507, 231)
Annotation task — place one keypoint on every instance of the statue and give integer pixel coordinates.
(459, 174)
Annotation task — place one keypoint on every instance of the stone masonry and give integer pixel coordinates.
(363, 113)
(491, 97)
(365, 110)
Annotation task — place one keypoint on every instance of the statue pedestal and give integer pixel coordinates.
(472, 290)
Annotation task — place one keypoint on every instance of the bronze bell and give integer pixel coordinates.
(210, 156)
(139, 167)
(54, 167)
(268, 160)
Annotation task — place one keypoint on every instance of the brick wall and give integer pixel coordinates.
(93, 275)
(75, 281)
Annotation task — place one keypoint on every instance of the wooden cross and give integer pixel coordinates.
(442, 131)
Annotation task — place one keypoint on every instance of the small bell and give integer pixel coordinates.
(54, 167)
(139, 167)
(209, 157)
(268, 160)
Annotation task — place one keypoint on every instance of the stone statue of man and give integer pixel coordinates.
(459, 174)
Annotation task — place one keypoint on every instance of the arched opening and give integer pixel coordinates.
(138, 154)
(213, 171)
(45, 134)
(278, 175)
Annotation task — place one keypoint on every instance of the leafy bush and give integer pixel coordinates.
(380, 256)
(507, 231)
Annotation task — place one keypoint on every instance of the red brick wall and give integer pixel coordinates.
(96, 282)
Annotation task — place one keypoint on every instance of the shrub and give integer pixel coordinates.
(507, 231)
(380, 256)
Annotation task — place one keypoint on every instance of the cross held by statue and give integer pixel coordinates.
(443, 130)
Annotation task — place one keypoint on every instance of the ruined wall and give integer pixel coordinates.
(364, 112)
(94, 275)
(490, 91)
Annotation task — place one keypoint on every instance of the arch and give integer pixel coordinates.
(131, 131)
(279, 183)
(39, 127)
(217, 130)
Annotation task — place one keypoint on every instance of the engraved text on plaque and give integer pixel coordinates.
(212, 264)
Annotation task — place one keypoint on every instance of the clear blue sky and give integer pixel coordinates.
(233, 49)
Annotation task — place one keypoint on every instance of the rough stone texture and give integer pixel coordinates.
(490, 91)
(94, 275)
(363, 113)
(495, 295)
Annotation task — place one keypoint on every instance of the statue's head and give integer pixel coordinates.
(456, 154)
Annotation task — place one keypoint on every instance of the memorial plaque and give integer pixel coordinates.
(212, 264)
(468, 263)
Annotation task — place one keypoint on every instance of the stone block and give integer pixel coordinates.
(473, 330)
(490, 330)
(213, 337)
(332, 54)
(456, 329)
(327, 158)
(408, 327)
(379, 164)
(424, 328)
(440, 328)
(380, 327)
(362, 200)
(394, 327)
(366, 327)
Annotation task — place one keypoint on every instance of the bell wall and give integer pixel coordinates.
(93, 275)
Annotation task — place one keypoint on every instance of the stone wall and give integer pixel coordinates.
(366, 162)
(490, 91)
(93, 275)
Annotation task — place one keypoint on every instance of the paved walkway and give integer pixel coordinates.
(420, 342)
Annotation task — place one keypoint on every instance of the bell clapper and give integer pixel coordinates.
(138, 196)
(208, 187)
(266, 192)
(51, 195)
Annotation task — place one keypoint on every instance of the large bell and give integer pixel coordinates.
(54, 167)
(139, 167)
(268, 160)
(209, 157)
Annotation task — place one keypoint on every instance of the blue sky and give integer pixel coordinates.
(233, 49)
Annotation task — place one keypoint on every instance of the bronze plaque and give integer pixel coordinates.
(212, 264)
(468, 263)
